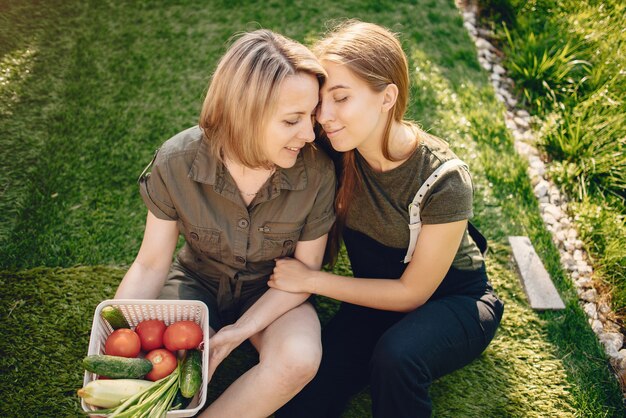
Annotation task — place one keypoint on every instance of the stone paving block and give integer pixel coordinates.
(536, 281)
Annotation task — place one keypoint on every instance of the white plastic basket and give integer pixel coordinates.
(168, 311)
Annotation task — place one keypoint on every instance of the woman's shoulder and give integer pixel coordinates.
(435, 150)
(184, 143)
(316, 159)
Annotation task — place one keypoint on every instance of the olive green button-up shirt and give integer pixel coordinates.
(225, 240)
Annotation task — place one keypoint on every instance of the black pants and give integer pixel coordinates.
(398, 355)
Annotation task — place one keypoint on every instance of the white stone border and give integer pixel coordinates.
(552, 202)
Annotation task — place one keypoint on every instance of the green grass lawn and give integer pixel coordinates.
(89, 89)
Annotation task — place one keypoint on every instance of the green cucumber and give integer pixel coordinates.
(191, 373)
(180, 402)
(117, 367)
(114, 317)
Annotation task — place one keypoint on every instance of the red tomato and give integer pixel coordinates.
(123, 342)
(163, 363)
(182, 335)
(151, 334)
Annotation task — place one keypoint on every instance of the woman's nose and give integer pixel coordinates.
(324, 113)
(308, 133)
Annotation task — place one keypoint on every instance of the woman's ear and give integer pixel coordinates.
(390, 95)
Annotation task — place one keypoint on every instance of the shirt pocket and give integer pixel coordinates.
(205, 241)
(280, 239)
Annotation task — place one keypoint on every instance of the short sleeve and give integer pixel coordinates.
(450, 198)
(154, 190)
(322, 216)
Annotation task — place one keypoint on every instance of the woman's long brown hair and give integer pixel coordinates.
(375, 55)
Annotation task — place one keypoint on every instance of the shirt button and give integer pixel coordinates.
(288, 243)
(240, 259)
(243, 223)
(194, 236)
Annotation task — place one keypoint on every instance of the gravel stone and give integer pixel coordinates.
(612, 342)
(604, 307)
(541, 189)
(483, 44)
(597, 326)
(589, 295)
(498, 69)
(591, 310)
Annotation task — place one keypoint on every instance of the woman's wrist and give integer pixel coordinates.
(246, 327)
(314, 282)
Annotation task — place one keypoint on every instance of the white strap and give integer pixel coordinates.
(415, 220)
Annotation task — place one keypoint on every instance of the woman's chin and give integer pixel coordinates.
(286, 162)
(341, 147)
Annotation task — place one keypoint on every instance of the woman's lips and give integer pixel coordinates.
(330, 132)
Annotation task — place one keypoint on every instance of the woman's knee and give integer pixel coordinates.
(295, 360)
(490, 312)
(393, 358)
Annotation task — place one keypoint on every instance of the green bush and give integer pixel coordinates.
(589, 145)
(605, 230)
(546, 70)
(497, 11)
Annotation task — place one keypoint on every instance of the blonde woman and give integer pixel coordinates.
(420, 305)
(244, 188)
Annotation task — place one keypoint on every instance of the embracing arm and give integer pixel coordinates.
(434, 253)
(146, 276)
(273, 304)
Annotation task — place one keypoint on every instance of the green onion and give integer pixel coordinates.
(152, 402)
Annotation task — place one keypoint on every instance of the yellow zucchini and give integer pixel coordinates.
(111, 393)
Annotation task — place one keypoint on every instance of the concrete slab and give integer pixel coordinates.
(536, 281)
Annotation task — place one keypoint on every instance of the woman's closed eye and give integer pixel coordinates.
(340, 99)
(292, 122)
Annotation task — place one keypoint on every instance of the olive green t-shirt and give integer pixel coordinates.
(225, 239)
(380, 208)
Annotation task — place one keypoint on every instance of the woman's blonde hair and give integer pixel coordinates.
(373, 54)
(244, 91)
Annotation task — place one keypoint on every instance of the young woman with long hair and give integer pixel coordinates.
(419, 305)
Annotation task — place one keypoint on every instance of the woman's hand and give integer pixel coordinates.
(222, 344)
(291, 275)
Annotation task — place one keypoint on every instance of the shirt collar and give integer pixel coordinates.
(207, 168)
(204, 166)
